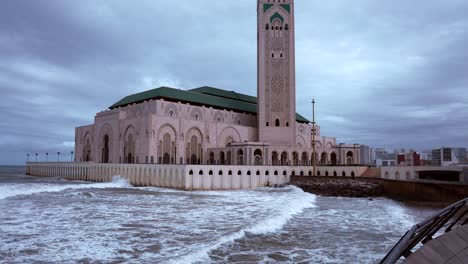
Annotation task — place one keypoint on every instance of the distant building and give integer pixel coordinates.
(447, 156)
(426, 155)
(403, 151)
(366, 155)
(409, 159)
(460, 154)
(387, 159)
(376, 153)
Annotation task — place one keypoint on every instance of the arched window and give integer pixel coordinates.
(267, 26)
(105, 150)
(258, 158)
(277, 122)
(267, 124)
(287, 124)
(286, 27)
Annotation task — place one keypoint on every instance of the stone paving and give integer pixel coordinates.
(450, 248)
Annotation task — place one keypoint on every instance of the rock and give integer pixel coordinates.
(340, 187)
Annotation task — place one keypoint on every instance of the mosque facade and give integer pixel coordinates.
(213, 126)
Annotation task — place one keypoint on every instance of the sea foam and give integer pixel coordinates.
(283, 208)
(11, 190)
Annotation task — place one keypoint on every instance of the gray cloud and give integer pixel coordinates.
(384, 73)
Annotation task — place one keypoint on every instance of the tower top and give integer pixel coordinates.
(276, 72)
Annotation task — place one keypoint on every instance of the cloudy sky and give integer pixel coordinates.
(384, 73)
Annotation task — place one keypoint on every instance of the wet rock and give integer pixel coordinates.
(87, 194)
(243, 258)
(341, 187)
(278, 257)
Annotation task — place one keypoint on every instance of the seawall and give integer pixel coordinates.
(183, 177)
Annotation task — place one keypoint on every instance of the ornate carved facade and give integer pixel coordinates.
(213, 126)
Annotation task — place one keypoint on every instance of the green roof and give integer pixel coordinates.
(208, 96)
(225, 94)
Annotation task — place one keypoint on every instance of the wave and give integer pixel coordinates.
(11, 190)
(296, 201)
(399, 215)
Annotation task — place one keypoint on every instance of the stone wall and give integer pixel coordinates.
(422, 191)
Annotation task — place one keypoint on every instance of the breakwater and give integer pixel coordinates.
(333, 186)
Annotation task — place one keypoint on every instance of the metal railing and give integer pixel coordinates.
(451, 217)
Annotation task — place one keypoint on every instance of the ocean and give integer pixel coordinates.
(53, 220)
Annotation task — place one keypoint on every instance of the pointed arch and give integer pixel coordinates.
(171, 110)
(105, 143)
(193, 146)
(196, 114)
(167, 142)
(301, 142)
(87, 147)
(129, 144)
(219, 117)
(228, 135)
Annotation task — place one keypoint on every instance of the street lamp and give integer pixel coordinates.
(313, 137)
(58, 156)
(46, 156)
(36, 157)
(27, 155)
(71, 156)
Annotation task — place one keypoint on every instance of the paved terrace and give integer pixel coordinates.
(442, 238)
(450, 248)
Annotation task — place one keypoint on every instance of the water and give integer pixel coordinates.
(51, 220)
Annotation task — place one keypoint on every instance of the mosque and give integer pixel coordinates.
(213, 126)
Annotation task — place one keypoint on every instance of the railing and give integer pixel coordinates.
(451, 217)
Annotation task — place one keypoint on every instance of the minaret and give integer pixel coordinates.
(276, 84)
